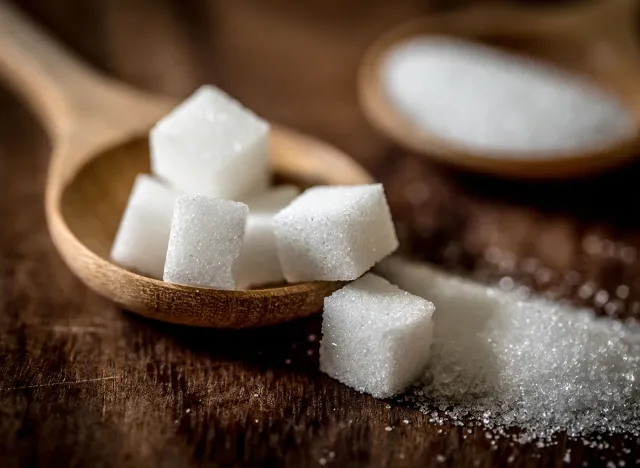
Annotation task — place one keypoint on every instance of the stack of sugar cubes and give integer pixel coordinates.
(203, 217)
(208, 217)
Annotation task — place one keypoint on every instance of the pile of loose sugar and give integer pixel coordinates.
(484, 99)
(533, 365)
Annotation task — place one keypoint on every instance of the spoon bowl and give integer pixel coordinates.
(99, 131)
(596, 40)
(91, 207)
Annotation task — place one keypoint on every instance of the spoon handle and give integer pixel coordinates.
(65, 93)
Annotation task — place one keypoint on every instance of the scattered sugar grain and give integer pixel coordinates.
(334, 233)
(417, 193)
(608, 248)
(592, 245)
(493, 254)
(375, 337)
(544, 275)
(483, 99)
(601, 298)
(611, 308)
(628, 254)
(141, 242)
(523, 292)
(205, 242)
(622, 291)
(210, 144)
(532, 365)
(530, 265)
(573, 278)
(507, 283)
(585, 291)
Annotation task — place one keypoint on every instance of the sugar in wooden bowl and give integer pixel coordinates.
(485, 99)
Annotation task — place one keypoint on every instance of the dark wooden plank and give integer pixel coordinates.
(84, 384)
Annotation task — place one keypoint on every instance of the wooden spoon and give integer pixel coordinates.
(99, 131)
(596, 39)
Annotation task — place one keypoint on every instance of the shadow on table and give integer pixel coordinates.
(291, 346)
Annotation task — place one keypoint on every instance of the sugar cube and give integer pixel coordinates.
(141, 241)
(211, 145)
(258, 263)
(334, 233)
(205, 242)
(376, 338)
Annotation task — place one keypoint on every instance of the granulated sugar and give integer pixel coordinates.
(485, 99)
(532, 365)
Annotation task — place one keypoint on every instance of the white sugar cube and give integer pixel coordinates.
(334, 233)
(141, 242)
(258, 263)
(211, 145)
(376, 338)
(205, 242)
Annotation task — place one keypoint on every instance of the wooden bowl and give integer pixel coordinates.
(596, 39)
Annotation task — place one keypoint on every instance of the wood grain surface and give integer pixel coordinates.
(84, 384)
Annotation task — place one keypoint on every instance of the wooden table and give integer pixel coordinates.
(84, 384)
